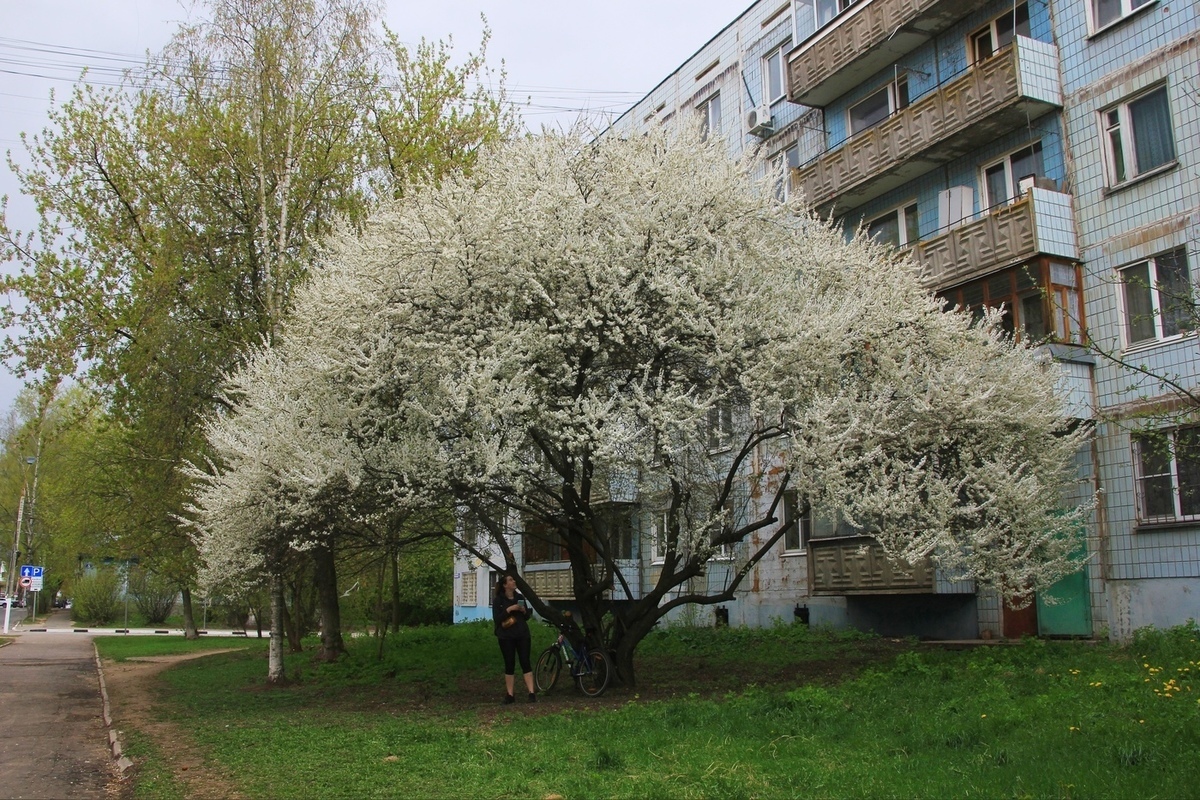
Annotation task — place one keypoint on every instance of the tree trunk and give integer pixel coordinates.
(275, 648)
(622, 657)
(395, 559)
(325, 576)
(291, 627)
(189, 619)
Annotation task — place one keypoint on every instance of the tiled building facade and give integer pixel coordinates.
(1039, 156)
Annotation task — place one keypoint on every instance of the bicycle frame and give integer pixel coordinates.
(574, 656)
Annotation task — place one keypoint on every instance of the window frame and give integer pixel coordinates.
(718, 429)
(1057, 283)
(782, 163)
(658, 536)
(617, 517)
(991, 29)
(1120, 161)
(710, 113)
(1154, 289)
(1170, 471)
(840, 7)
(1128, 8)
(780, 53)
(903, 214)
(1011, 179)
(543, 543)
(897, 100)
(797, 535)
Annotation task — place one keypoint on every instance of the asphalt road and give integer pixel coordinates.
(53, 743)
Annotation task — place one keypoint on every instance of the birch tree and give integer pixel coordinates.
(180, 209)
(578, 326)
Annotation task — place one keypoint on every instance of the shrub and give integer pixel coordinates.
(96, 595)
(153, 594)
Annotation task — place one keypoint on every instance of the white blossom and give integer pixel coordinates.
(591, 303)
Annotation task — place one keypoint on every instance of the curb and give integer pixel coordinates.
(114, 735)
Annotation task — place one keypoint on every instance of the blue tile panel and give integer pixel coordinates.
(1119, 225)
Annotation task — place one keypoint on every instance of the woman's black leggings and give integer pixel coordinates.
(512, 648)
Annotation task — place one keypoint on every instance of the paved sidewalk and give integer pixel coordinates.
(55, 744)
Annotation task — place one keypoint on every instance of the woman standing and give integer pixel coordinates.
(510, 613)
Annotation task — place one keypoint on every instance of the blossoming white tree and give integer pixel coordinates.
(637, 321)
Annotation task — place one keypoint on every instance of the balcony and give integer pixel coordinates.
(992, 98)
(1040, 223)
(857, 565)
(864, 39)
(554, 583)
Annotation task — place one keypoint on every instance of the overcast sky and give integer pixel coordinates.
(562, 57)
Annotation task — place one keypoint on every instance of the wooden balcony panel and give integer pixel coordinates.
(858, 565)
(1006, 236)
(551, 584)
(946, 124)
(863, 40)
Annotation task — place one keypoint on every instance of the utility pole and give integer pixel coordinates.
(12, 571)
(34, 462)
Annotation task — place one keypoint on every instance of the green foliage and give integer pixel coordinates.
(153, 594)
(1051, 719)
(95, 597)
(179, 210)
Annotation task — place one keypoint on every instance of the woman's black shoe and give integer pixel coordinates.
(508, 699)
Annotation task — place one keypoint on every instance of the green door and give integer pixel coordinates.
(1071, 612)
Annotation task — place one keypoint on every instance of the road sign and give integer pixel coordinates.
(35, 576)
(27, 582)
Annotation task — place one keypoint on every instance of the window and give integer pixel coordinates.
(826, 10)
(710, 117)
(830, 525)
(878, 106)
(783, 163)
(897, 227)
(729, 522)
(658, 537)
(1106, 12)
(543, 543)
(1002, 180)
(999, 33)
(774, 79)
(1138, 136)
(1040, 300)
(615, 527)
(1168, 475)
(720, 426)
(1158, 297)
(798, 521)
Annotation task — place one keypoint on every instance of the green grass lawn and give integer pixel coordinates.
(827, 716)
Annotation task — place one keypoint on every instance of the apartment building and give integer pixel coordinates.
(1034, 156)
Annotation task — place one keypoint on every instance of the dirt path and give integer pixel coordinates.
(132, 691)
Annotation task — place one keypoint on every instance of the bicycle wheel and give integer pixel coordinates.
(595, 674)
(545, 672)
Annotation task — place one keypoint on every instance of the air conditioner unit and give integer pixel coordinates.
(759, 121)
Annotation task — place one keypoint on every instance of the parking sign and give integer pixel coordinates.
(34, 574)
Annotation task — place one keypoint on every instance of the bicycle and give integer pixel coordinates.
(590, 667)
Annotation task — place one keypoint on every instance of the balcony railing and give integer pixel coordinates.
(863, 39)
(1040, 223)
(551, 584)
(857, 565)
(992, 98)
